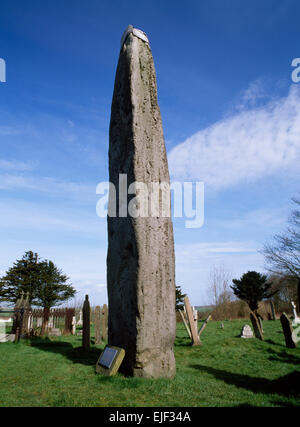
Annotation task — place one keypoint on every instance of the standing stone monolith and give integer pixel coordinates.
(140, 258)
(86, 312)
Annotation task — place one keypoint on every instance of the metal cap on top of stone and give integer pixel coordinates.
(140, 258)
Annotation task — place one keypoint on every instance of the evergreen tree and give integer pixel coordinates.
(252, 288)
(179, 298)
(46, 284)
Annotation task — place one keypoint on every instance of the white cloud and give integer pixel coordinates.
(245, 147)
(48, 185)
(15, 165)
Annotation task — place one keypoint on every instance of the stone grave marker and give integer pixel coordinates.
(193, 329)
(296, 319)
(247, 332)
(86, 323)
(104, 321)
(273, 312)
(185, 323)
(110, 360)
(287, 331)
(256, 326)
(97, 325)
(204, 325)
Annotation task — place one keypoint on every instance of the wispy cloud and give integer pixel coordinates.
(245, 147)
(49, 185)
(15, 165)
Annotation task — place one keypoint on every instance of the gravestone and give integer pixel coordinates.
(104, 322)
(256, 326)
(204, 325)
(273, 312)
(140, 258)
(73, 325)
(97, 325)
(246, 332)
(86, 323)
(296, 319)
(54, 332)
(193, 329)
(79, 323)
(195, 315)
(185, 323)
(288, 331)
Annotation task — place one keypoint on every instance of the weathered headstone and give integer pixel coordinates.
(256, 326)
(104, 322)
(193, 329)
(97, 325)
(86, 323)
(195, 315)
(79, 323)
(54, 332)
(140, 259)
(288, 331)
(273, 312)
(204, 325)
(296, 319)
(246, 332)
(185, 323)
(73, 325)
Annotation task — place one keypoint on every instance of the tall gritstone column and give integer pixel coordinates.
(140, 258)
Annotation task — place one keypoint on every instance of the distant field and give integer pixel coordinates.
(224, 371)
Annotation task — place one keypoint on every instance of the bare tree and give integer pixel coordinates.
(283, 254)
(219, 291)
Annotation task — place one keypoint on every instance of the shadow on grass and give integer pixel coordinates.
(288, 385)
(80, 355)
(284, 357)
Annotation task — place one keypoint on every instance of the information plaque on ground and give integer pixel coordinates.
(110, 360)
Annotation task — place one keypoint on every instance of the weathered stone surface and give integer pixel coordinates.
(140, 259)
(273, 312)
(256, 326)
(192, 325)
(97, 325)
(104, 322)
(204, 325)
(288, 331)
(86, 311)
(246, 332)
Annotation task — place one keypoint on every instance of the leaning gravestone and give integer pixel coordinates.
(86, 323)
(256, 326)
(288, 331)
(140, 258)
(204, 325)
(246, 332)
(193, 328)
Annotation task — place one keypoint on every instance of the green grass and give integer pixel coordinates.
(224, 371)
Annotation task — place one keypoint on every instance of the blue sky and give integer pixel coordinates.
(230, 111)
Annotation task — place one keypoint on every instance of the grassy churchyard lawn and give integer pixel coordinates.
(224, 371)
